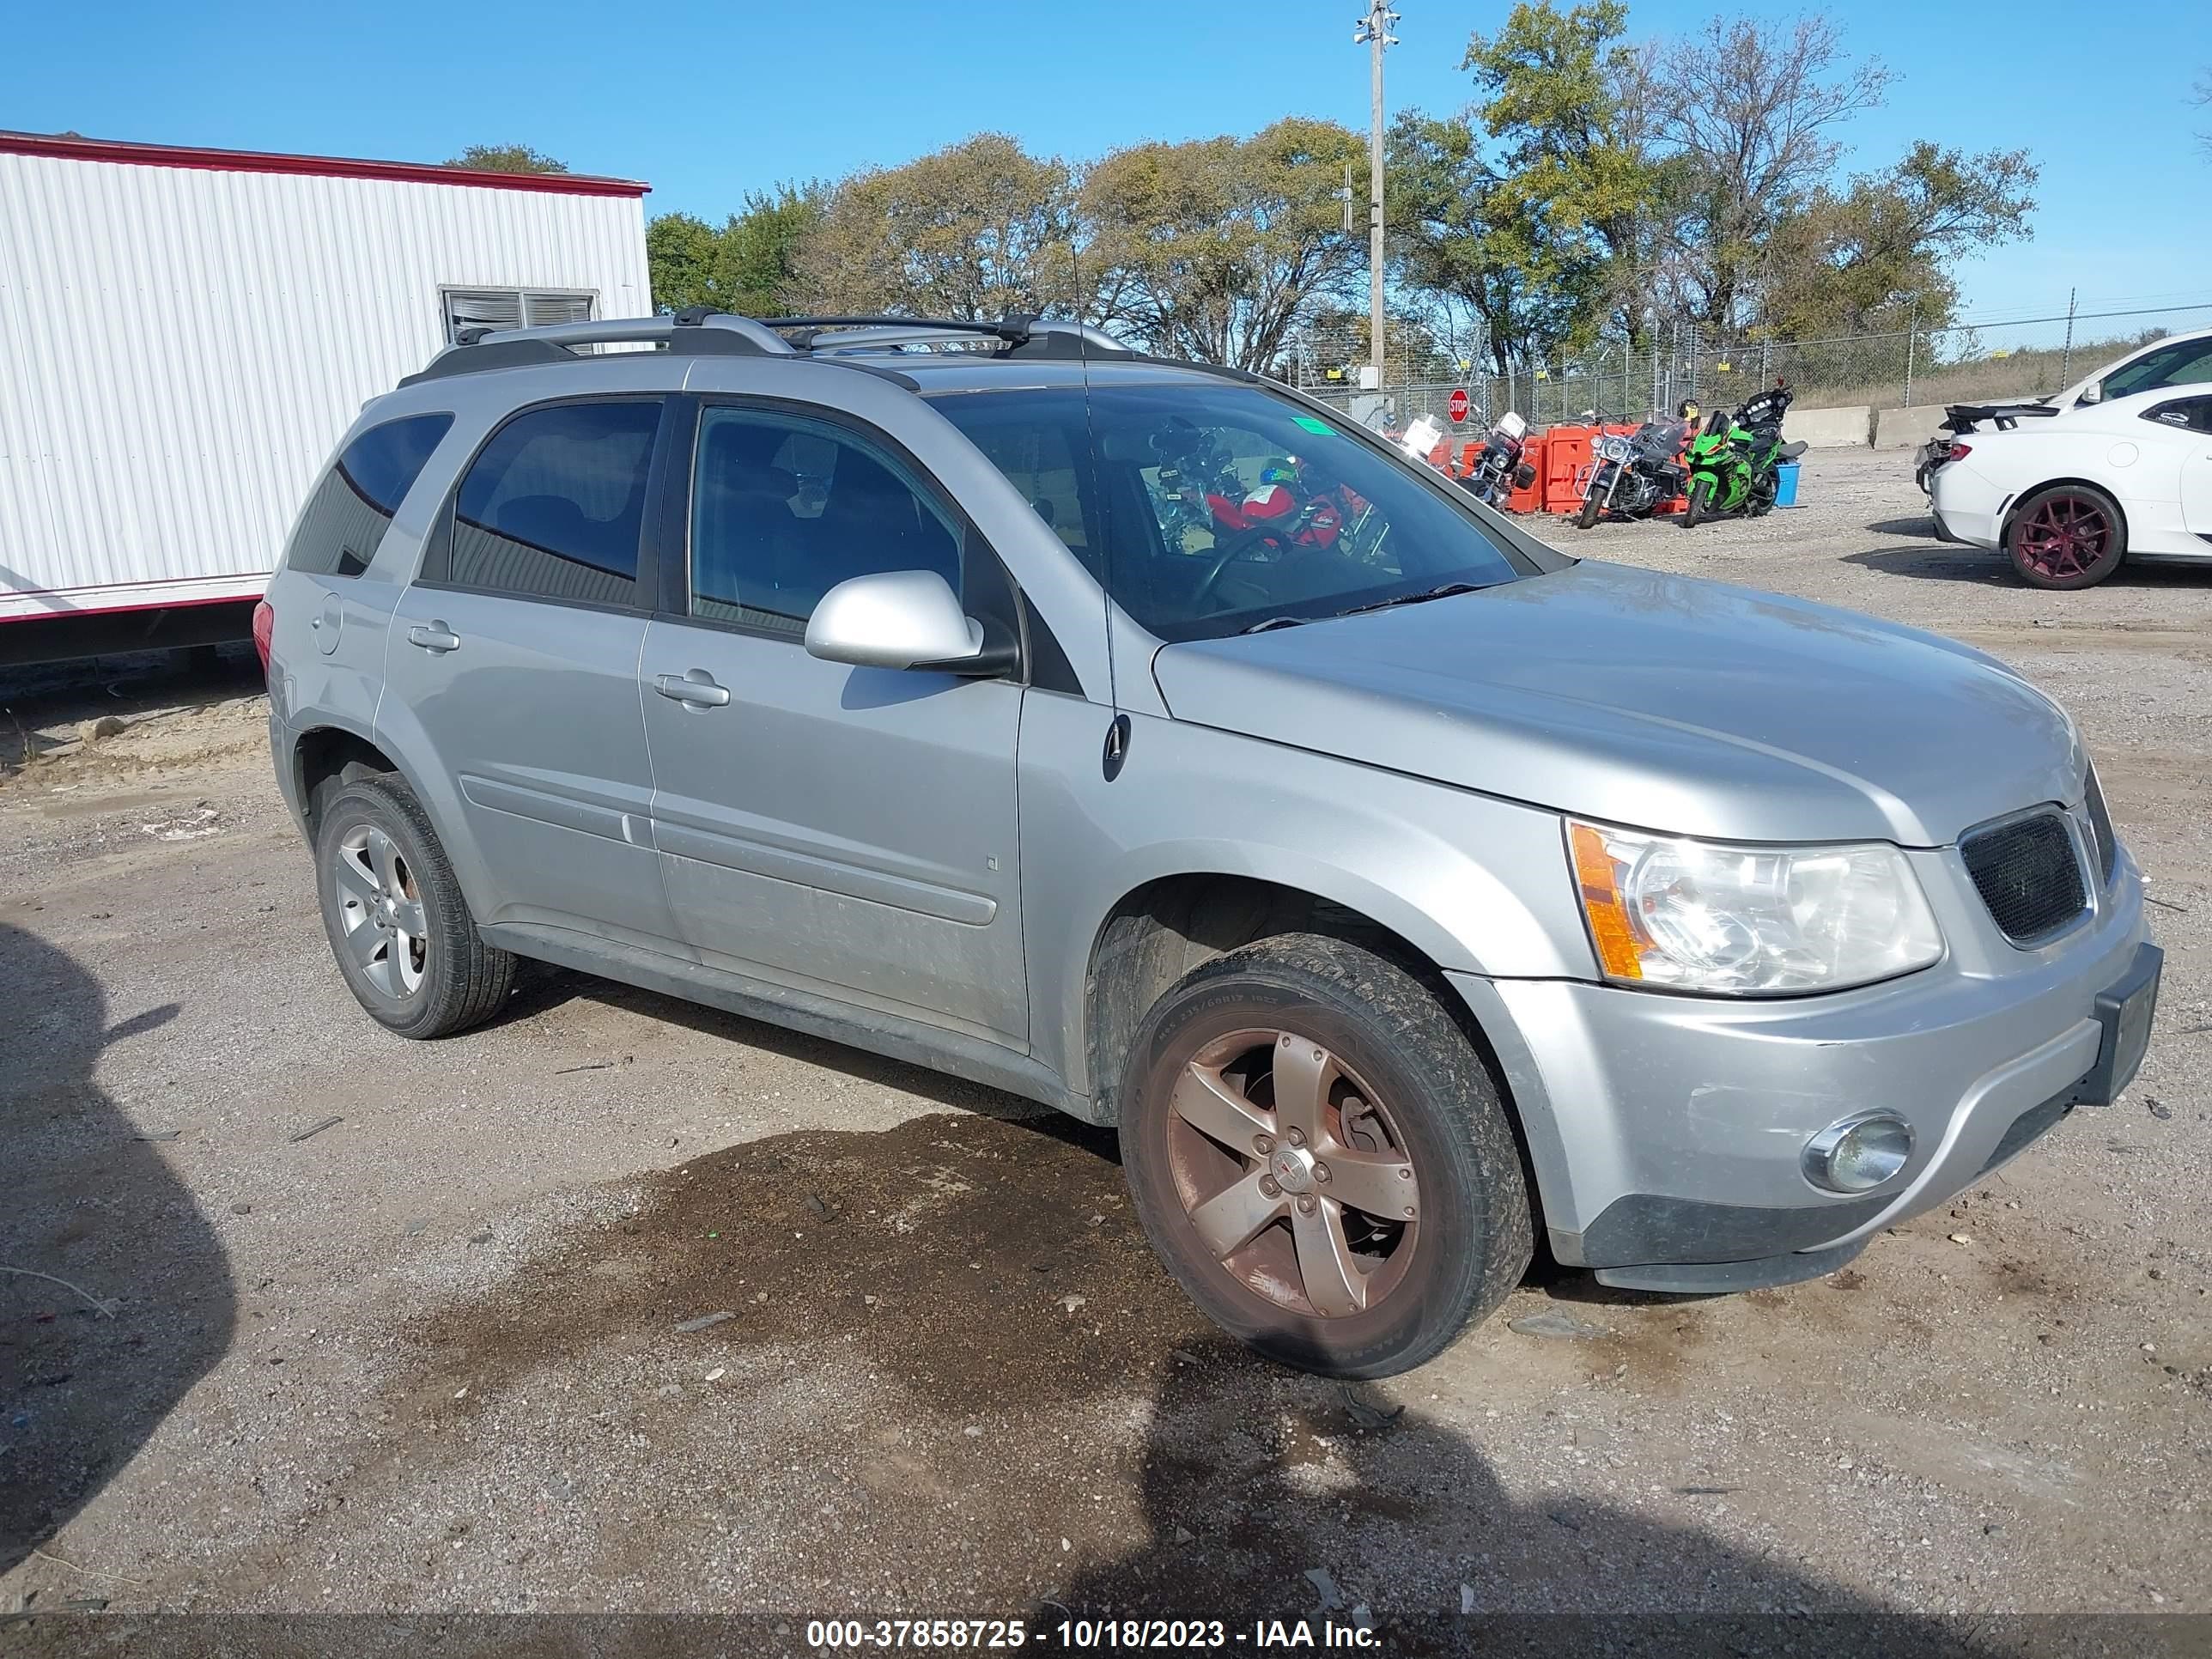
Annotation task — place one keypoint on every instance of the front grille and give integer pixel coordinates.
(2100, 825)
(2027, 873)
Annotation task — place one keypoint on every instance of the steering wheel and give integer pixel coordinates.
(1238, 543)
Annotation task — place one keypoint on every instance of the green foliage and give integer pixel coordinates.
(749, 266)
(976, 230)
(506, 158)
(1218, 248)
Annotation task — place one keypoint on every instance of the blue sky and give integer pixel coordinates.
(706, 101)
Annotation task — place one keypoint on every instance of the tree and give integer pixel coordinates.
(976, 230)
(1466, 236)
(506, 158)
(749, 266)
(1218, 248)
(2201, 95)
(1750, 110)
(1877, 254)
(1569, 104)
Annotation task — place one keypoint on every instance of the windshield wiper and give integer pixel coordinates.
(1273, 622)
(1444, 592)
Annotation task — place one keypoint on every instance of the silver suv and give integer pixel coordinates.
(1145, 739)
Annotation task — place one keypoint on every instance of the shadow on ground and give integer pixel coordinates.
(942, 1361)
(81, 1389)
(1271, 1497)
(42, 705)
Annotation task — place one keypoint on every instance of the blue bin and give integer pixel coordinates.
(1785, 484)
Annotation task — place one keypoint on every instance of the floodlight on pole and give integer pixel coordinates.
(1373, 32)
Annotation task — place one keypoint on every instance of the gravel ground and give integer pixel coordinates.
(432, 1358)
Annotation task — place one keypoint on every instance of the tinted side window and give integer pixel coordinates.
(553, 505)
(346, 516)
(784, 508)
(2192, 413)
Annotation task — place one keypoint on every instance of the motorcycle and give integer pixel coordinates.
(1631, 477)
(1499, 470)
(1733, 461)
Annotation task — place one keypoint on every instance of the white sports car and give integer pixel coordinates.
(2070, 495)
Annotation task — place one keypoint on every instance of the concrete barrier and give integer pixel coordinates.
(1829, 428)
(1904, 428)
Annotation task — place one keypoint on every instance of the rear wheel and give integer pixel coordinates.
(1322, 1159)
(403, 934)
(2067, 536)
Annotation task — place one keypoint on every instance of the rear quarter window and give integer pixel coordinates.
(345, 519)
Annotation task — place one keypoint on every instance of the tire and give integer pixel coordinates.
(1593, 506)
(430, 979)
(1321, 1284)
(2065, 536)
(1700, 503)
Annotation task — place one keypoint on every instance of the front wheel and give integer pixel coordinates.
(1593, 505)
(2067, 536)
(1700, 502)
(1322, 1159)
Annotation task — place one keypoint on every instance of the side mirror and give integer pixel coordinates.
(900, 619)
(2092, 393)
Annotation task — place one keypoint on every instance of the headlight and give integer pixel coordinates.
(1613, 449)
(1690, 915)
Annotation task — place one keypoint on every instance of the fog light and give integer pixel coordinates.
(1858, 1153)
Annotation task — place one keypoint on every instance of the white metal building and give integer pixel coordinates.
(185, 334)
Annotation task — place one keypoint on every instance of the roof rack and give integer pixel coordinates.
(698, 330)
(1017, 333)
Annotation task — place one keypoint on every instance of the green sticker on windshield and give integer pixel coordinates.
(1312, 425)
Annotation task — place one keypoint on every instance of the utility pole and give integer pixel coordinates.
(1373, 32)
(2066, 362)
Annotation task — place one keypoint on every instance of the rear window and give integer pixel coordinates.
(553, 506)
(346, 517)
(1208, 509)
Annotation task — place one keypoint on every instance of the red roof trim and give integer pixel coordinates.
(326, 167)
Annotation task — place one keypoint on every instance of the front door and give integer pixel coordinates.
(848, 831)
(514, 654)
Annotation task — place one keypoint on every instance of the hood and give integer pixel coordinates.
(1654, 701)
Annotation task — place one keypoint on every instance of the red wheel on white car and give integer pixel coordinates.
(2067, 536)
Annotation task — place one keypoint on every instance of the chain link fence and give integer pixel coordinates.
(1621, 380)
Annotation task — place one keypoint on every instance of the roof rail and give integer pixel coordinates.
(617, 331)
(697, 330)
(1018, 332)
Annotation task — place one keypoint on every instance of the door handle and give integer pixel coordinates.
(697, 688)
(434, 637)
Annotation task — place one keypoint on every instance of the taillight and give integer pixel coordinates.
(265, 629)
(1957, 450)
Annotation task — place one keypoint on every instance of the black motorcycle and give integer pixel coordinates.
(1630, 478)
(1499, 470)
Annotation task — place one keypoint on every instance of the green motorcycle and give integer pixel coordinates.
(1732, 462)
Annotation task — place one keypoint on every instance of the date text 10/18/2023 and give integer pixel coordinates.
(1092, 1635)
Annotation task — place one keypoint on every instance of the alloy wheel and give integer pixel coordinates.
(380, 913)
(1292, 1173)
(2065, 536)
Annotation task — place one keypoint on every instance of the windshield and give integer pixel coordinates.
(2185, 362)
(1210, 509)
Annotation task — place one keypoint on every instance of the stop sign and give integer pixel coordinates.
(1456, 408)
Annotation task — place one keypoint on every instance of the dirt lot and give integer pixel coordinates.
(431, 1358)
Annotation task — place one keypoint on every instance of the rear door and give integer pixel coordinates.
(515, 658)
(847, 831)
(2192, 416)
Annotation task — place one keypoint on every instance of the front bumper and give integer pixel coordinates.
(1666, 1131)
